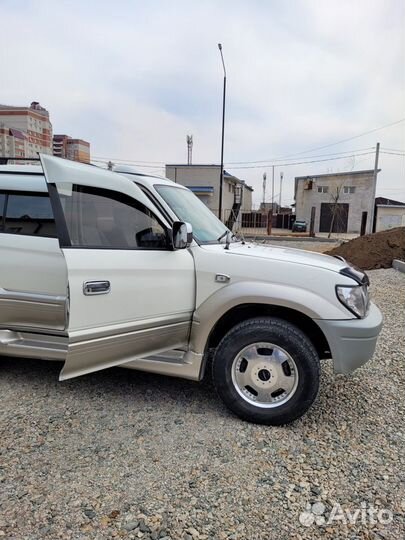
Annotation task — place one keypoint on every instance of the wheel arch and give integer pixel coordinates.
(247, 311)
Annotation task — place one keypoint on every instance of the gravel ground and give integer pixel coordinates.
(126, 454)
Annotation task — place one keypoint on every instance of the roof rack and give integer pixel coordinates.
(5, 160)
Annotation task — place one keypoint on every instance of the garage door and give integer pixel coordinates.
(341, 214)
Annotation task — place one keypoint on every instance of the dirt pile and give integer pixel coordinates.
(374, 250)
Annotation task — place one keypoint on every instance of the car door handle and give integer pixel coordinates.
(96, 287)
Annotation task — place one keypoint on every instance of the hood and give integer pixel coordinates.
(278, 253)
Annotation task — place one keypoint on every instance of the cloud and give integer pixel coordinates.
(134, 78)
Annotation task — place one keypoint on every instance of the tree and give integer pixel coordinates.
(337, 209)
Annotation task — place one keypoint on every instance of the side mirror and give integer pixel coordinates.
(182, 234)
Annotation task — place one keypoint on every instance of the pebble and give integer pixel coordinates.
(125, 454)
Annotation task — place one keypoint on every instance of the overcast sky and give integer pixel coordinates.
(134, 78)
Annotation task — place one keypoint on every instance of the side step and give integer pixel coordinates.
(29, 345)
(175, 363)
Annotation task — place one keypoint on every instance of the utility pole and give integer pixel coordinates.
(377, 154)
(264, 189)
(189, 149)
(272, 189)
(221, 179)
(281, 186)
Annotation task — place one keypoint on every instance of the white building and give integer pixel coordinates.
(388, 214)
(343, 202)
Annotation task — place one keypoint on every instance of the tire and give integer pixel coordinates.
(267, 371)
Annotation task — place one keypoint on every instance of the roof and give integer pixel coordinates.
(348, 173)
(227, 175)
(201, 189)
(32, 109)
(383, 201)
(192, 165)
(17, 133)
(30, 169)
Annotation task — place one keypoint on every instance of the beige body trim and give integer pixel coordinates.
(114, 348)
(32, 310)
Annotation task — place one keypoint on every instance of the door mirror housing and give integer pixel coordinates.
(182, 234)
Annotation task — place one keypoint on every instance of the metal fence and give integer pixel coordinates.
(255, 223)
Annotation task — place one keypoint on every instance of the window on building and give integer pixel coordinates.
(323, 189)
(349, 189)
(105, 219)
(27, 214)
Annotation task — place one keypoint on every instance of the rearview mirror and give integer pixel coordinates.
(182, 234)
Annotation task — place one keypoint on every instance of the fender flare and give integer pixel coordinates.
(215, 306)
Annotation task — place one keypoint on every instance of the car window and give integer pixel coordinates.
(102, 218)
(27, 214)
(206, 226)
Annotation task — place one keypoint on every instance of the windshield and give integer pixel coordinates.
(206, 227)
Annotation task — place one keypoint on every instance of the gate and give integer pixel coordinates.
(335, 215)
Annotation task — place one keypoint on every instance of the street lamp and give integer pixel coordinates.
(221, 178)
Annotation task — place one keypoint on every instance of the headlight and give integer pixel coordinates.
(355, 299)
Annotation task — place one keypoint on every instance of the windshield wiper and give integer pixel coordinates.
(223, 235)
(228, 235)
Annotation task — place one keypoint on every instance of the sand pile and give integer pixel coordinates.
(374, 250)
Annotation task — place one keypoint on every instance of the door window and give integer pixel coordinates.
(106, 219)
(27, 214)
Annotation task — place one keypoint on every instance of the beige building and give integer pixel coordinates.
(74, 149)
(13, 142)
(388, 214)
(204, 181)
(342, 201)
(25, 131)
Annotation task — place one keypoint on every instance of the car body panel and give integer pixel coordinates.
(33, 283)
(352, 343)
(147, 310)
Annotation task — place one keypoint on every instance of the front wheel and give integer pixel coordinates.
(267, 371)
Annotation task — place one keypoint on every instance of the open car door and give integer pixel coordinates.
(130, 294)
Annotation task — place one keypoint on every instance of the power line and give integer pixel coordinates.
(336, 143)
(393, 153)
(292, 159)
(393, 150)
(125, 162)
(300, 162)
(129, 160)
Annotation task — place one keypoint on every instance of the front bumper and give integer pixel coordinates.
(352, 342)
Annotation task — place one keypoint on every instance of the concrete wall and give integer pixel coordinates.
(247, 200)
(360, 201)
(389, 217)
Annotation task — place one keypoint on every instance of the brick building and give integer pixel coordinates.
(74, 149)
(25, 131)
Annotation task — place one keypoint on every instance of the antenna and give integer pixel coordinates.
(281, 187)
(264, 188)
(189, 149)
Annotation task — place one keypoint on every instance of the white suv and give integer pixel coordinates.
(101, 269)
